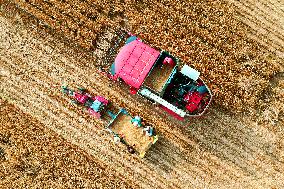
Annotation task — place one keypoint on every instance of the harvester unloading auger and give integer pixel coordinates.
(129, 130)
(156, 76)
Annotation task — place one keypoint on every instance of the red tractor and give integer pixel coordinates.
(124, 128)
(94, 104)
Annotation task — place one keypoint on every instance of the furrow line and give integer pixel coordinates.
(38, 103)
(85, 123)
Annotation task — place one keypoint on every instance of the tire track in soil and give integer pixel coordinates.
(267, 34)
(264, 15)
(246, 149)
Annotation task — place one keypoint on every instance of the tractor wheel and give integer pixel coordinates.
(81, 90)
(75, 102)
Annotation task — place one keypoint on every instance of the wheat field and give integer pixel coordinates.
(237, 46)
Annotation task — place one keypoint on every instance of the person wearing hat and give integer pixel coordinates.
(149, 131)
(116, 139)
(130, 149)
(136, 121)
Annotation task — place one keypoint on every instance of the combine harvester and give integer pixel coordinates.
(129, 130)
(156, 76)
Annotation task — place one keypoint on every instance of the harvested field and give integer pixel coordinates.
(222, 150)
(36, 157)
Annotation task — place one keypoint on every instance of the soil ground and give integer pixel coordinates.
(222, 150)
(36, 157)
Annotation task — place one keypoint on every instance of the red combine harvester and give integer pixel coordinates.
(156, 76)
(94, 104)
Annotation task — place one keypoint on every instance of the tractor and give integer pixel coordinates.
(124, 128)
(94, 104)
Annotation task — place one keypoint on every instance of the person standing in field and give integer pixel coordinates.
(149, 131)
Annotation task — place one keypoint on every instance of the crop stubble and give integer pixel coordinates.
(37, 157)
(46, 108)
(178, 168)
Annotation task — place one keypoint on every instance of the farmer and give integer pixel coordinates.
(116, 139)
(149, 131)
(136, 121)
(130, 149)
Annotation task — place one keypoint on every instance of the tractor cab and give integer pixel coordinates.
(81, 98)
(94, 104)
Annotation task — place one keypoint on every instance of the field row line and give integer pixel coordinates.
(39, 103)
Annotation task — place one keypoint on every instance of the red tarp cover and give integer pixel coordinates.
(134, 61)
